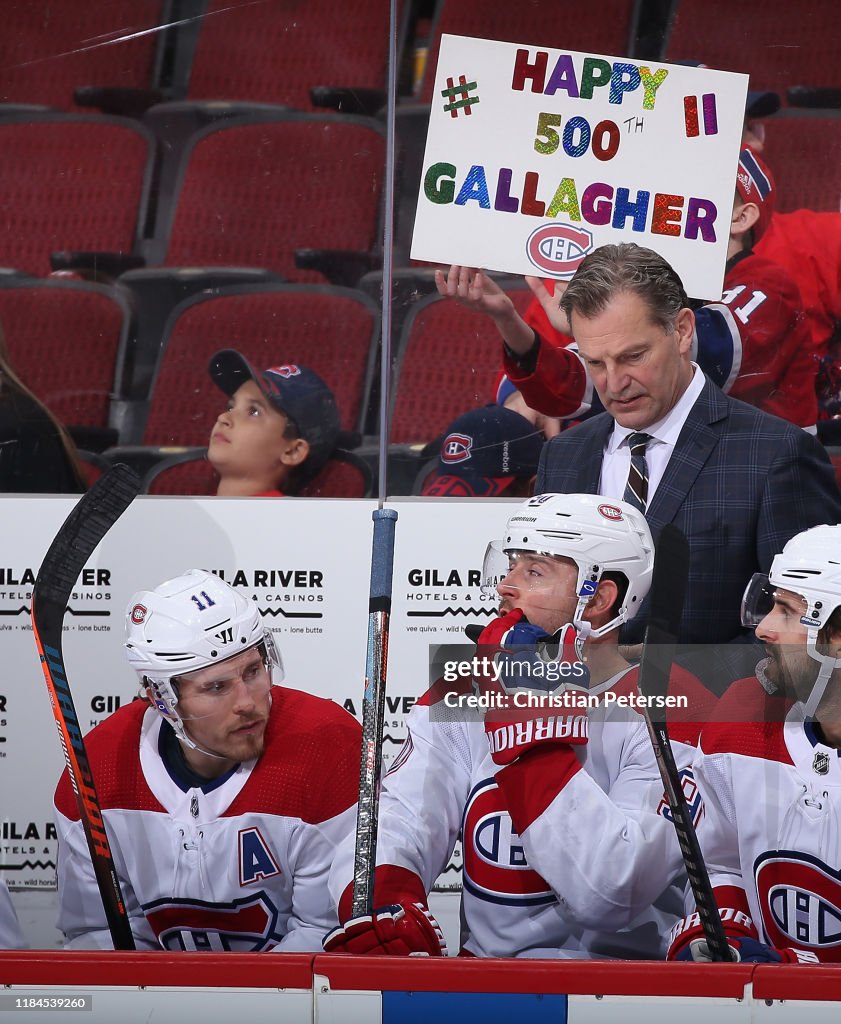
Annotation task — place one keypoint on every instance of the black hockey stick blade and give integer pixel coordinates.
(92, 517)
(668, 588)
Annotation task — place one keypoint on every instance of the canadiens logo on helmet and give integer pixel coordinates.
(610, 512)
(820, 762)
(456, 448)
(138, 614)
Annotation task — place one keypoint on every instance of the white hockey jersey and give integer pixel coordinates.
(771, 835)
(10, 933)
(565, 851)
(239, 864)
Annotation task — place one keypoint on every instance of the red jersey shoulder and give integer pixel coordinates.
(113, 749)
(438, 691)
(748, 720)
(309, 767)
(694, 706)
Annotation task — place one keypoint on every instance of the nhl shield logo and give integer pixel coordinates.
(820, 763)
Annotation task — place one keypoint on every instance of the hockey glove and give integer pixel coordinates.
(403, 929)
(687, 942)
(747, 951)
(526, 657)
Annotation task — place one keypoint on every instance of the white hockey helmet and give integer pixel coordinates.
(186, 624)
(808, 565)
(599, 534)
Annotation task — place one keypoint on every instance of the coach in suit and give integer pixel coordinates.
(737, 481)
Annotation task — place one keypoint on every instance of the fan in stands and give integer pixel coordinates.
(278, 430)
(485, 453)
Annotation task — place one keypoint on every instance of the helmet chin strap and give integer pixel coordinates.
(828, 666)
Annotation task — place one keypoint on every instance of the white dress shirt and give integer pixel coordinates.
(664, 434)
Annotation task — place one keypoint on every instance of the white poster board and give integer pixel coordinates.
(536, 156)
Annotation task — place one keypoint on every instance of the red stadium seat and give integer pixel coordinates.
(763, 38)
(608, 27)
(67, 341)
(332, 330)
(69, 182)
(344, 476)
(447, 363)
(803, 151)
(275, 52)
(49, 48)
(253, 188)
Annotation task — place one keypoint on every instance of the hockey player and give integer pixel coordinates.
(224, 795)
(754, 343)
(564, 841)
(771, 780)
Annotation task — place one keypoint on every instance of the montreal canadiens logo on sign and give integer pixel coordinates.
(610, 512)
(138, 614)
(456, 448)
(800, 901)
(557, 249)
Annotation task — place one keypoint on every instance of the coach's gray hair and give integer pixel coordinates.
(628, 267)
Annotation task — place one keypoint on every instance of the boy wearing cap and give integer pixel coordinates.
(278, 430)
(754, 343)
(486, 453)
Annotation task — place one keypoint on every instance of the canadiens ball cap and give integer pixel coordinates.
(482, 452)
(296, 391)
(755, 185)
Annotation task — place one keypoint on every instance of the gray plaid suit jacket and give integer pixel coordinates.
(739, 484)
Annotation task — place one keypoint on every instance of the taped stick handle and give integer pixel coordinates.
(382, 555)
(373, 708)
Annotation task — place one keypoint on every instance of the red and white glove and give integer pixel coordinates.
(403, 929)
(534, 704)
(687, 942)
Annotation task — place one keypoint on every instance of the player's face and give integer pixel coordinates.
(784, 637)
(248, 437)
(639, 370)
(225, 709)
(542, 587)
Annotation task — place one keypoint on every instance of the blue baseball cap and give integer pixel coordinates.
(295, 390)
(483, 452)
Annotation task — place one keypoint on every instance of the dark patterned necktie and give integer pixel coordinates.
(636, 489)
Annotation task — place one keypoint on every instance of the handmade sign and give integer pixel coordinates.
(536, 156)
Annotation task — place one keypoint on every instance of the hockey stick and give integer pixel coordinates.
(668, 586)
(94, 515)
(373, 709)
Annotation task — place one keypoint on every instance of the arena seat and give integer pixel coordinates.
(49, 49)
(762, 38)
(250, 187)
(67, 341)
(609, 27)
(334, 331)
(277, 52)
(803, 151)
(447, 361)
(345, 475)
(70, 182)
